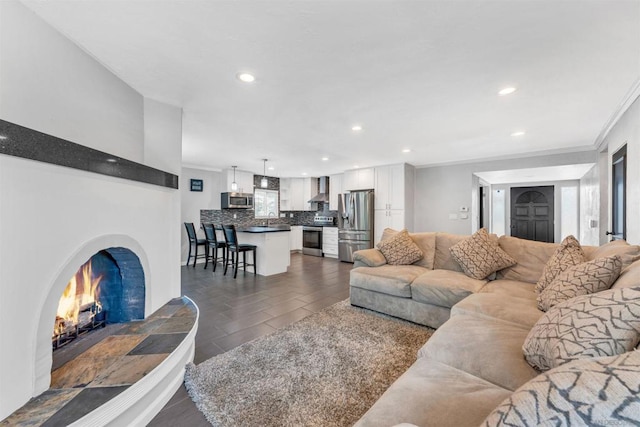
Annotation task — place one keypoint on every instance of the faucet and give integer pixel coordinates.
(269, 217)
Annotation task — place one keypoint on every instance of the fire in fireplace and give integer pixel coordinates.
(108, 288)
(79, 309)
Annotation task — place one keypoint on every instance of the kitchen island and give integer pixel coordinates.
(272, 243)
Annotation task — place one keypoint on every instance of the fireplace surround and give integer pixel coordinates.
(54, 218)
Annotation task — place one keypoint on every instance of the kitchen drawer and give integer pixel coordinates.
(329, 240)
(330, 250)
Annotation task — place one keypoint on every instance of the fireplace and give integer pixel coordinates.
(108, 288)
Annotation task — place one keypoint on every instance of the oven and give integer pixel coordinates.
(312, 240)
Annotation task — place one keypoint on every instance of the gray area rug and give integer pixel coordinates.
(325, 370)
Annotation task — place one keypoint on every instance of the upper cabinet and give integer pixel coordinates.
(390, 187)
(296, 192)
(358, 179)
(243, 179)
(335, 188)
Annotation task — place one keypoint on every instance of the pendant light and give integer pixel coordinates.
(264, 182)
(234, 184)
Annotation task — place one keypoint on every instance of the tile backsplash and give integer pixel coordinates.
(245, 217)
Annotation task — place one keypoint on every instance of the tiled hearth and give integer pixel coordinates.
(84, 378)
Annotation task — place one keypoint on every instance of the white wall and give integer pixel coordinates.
(193, 201)
(627, 131)
(442, 190)
(50, 85)
(162, 128)
(49, 214)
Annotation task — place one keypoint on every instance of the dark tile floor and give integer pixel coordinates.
(235, 311)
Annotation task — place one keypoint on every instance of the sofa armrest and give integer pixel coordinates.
(368, 258)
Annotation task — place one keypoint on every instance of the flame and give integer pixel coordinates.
(81, 290)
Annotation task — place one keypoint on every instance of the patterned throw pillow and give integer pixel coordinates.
(586, 278)
(480, 255)
(601, 324)
(568, 254)
(590, 392)
(400, 249)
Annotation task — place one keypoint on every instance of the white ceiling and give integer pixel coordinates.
(415, 74)
(543, 174)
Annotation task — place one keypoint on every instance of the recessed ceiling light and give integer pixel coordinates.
(246, 77)
(3, 137)
(406, 150)
(356, 128)
(324, 159)
(303, 173)
(506, 91)
(271, 168)
(518, 133)
(356, 166)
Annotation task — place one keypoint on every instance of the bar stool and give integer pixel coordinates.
(234, 249)
(213, 245)
(195, 242)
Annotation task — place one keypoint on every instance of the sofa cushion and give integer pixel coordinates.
(400, 249)
(426, 241)
(369, 257)
(522, 312)
(510, 288)
(443, 258)
(479, 255)
(568, 254)
(601, 391)
(601, 324)
(629, 277)
(430, 394)
(444, 287)
(387, 279)
(487, 348)
(531, 257)
(628, 253)
(586, 278)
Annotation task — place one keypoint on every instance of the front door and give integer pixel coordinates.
(619, 195)
(532, 213)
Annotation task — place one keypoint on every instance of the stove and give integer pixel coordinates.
(312, 235)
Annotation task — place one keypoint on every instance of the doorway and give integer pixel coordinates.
(532, 213)
(619, 195)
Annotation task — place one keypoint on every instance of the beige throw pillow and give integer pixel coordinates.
(480, 255)
(601, 324)
(568, 254)
(400, 249)
(590, 392)
(586, 278)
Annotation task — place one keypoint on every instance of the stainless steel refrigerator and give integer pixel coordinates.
(355, 223)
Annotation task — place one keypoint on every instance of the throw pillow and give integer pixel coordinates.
(400, 249)
(601, 324)
(568, 254)
(591, 392)
(586, 278)
(480, 255)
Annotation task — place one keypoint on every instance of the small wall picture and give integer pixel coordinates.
(196, 185)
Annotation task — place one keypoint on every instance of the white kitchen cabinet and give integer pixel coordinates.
(335, 189)
(359, 179)
(295, 194)
(395, 219)
(296, 238)
(330, 242)
(243, 179)
(390, 187)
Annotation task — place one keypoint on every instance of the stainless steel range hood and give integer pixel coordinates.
(323, 195)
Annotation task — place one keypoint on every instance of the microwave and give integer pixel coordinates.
(236, 200)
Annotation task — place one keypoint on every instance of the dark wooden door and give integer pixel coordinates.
(619, 195)
(532, 213)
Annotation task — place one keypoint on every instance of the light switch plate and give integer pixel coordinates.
(464, 216)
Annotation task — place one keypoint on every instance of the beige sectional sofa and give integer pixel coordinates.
(474, 361)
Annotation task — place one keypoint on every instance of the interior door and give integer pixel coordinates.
(619, 195)
(532, 213)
